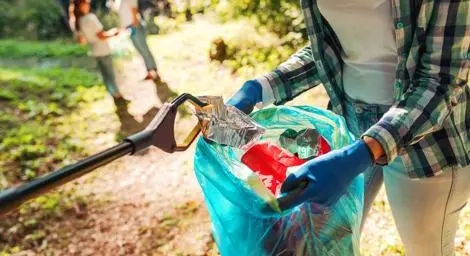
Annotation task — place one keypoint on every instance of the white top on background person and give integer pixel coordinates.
(90, 26)
(127, 11)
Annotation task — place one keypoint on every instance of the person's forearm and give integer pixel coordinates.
(111, 32)
(292, 77)
(103, 35)
(374, 147)
(135, 17)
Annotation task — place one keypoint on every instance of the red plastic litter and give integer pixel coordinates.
(323, 146)
(270, 163)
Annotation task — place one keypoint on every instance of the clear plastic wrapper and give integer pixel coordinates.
(226, 125)
(236, 198)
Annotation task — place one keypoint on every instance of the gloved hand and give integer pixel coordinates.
(328, 176)
(246, 98)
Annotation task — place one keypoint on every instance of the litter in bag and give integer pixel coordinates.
(226, 125)
(270, 163)
(237, 200)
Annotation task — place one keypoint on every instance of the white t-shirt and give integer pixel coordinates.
(366, 32)
(89, 27)
(124, 10)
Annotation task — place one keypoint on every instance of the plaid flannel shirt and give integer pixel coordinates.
(429, 122)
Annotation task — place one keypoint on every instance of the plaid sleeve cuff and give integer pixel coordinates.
(273, 87)
(383, 133)
(267, 92)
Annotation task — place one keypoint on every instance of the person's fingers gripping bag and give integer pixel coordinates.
(237, 203)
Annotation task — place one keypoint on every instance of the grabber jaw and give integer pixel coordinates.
(160, 132)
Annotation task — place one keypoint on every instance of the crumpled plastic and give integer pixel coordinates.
(270, 163)
(226, 125)
(237, 200)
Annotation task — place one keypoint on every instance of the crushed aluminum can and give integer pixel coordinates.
(304, 143)
(226, 125)
(307, 143)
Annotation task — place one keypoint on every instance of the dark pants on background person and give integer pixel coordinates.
(139, 39)
(105, 65)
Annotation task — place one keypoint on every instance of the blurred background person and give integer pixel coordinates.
(130, 18)
(90, 30)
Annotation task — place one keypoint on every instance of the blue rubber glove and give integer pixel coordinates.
(246, 98)
(328, 176)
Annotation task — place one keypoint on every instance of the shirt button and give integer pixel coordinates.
(358, 110)
(400, 25)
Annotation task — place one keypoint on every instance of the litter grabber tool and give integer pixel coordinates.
(159, 133)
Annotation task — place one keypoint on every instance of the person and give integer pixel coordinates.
(90, 30)
(129, 18)
(398, 71)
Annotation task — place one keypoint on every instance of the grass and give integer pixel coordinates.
(17, 49)
(48, 118)
(33, 121)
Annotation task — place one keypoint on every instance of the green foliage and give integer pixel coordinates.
(281, 17)
(22, 49)
(251, 50)
(30, 143)
(107, 18)
(38, 129)
(168, 25)
(41, 19)
(265, 58)
(31, 19)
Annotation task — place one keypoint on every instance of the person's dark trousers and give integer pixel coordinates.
(139, 39)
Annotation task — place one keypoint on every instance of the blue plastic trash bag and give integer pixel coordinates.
(240, 223)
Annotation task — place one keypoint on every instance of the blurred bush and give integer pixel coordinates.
(280, 31)
(259, 52)
(42, 19)
(108, 18)
(281, 17)
(31, 19)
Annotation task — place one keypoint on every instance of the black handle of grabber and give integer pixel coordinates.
(286, 200)
(159, 133)
(14, 197)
